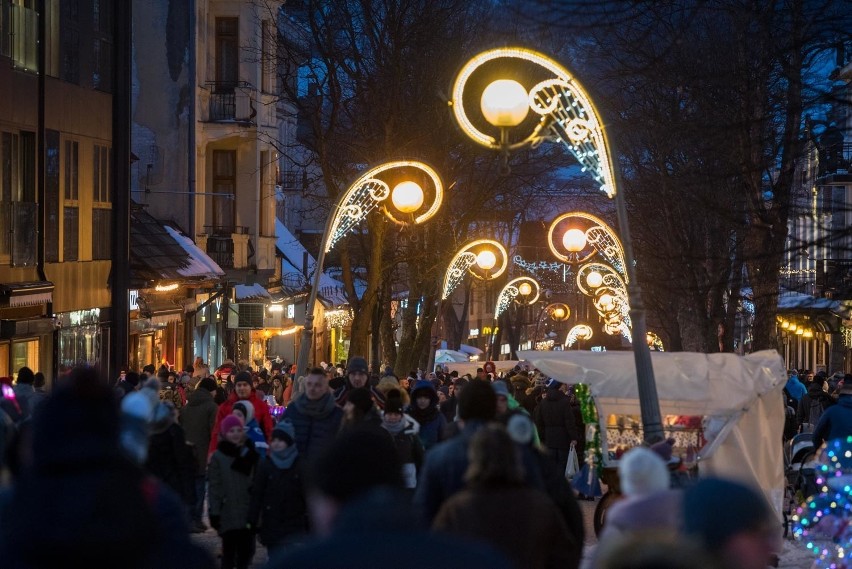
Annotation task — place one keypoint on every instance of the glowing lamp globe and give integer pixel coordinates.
(525, 289)
(505, 103)
(785, 325)
(799, 330)
(407, 197)
(486, 260)
(606, 301)
(574, 240)
(559, 313)
(595, 279)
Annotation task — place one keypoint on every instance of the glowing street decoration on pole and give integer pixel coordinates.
(566, 112)
(466, 259)
(369, 192)
(600, 239)
(514, 290)
(578, 332)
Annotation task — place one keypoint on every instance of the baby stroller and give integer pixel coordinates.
(800, 471)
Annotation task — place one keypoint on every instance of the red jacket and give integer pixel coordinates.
(261, 415)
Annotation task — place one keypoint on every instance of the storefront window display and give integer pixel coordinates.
(24, 353)
(79, 337)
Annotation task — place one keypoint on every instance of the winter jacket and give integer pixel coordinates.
(815, 393)
(197, 420)
(261, 415)
(171, 460)
(409, 449)
(835, 423)
(554, 420)
(378, 530)
(277, 503)
(28, 398)
(521, 522)
(342, 395)
(432, 421)
(314, 429)
(229, 493)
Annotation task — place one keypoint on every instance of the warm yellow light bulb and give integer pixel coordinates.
(574, 240)
(486, 260)
(595, 279)
(505, 103)
(606, 301)
(558, 313)
(525, 289)
(407, 196)
(785, 325)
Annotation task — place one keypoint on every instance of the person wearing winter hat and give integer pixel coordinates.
(404, 432)
(732, 522)
(230, 474)
(278, 504)
(243, 391)
(198, 420)
(357, 376)
(649, 504)
(245, 410)
(81, 502)
(554, 420)
(360, 411)
(424, 410)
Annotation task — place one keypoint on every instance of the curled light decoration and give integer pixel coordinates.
(578, 332)
(600, 240)
(464, 262)
(558, 311)
(654, 342)
(339, 318)
(369, 192)
(566, 112)
(512, 291)
(609, 279)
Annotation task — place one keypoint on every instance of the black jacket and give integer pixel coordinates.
(278, 502)
(555, 420)
(171, 460)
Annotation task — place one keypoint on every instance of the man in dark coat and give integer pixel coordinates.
(314, 415)
(198, 419)
(364, 521)
(357, 376)
(554, 420)
(812, 404)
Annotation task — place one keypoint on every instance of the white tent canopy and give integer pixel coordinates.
(470, 367)
(741, 395)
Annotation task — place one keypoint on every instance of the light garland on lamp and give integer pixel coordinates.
(514, 290)
(566, 112)
(599, 239)
(578, 332)
(467, 257)
(655, 342)
(368, 193)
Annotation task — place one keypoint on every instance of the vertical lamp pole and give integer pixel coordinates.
(366, 194)
(567, 115)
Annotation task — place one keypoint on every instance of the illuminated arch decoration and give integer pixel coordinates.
(578, 332)
(609, 279)
(370, 192)
(512, 291)
(600, 240)
(464, 262)
(566, 112)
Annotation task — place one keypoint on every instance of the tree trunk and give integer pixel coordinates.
(362, 322)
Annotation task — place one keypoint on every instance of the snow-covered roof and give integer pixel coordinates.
(251, 292)
(792, 300)
(200, 263)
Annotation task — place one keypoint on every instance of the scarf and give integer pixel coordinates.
(319, 409)
(284, 459)
(423, 416)
(394, 428)
(244, 455)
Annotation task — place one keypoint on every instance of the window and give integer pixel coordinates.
(51, 36)
(69, 37)
(18, 210)
(102, 45)
(101, 212)
(51, 196)
(224, 185)
(227, 51)
(20, 26)
(265, 212)
(71, 204)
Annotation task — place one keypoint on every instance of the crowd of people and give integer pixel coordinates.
(341, 467)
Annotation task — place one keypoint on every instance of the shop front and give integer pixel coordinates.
(79, 337)
(26, 329)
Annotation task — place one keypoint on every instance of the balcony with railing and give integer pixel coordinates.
(232, 102)
(227, 245)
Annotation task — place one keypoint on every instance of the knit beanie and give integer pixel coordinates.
(243, 376)
(714, 510)
(208, 384)
(285, 431)
(229, 423)
(641, 471)
(393, 401)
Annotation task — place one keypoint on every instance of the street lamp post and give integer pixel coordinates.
(566, 114)
(367, 193)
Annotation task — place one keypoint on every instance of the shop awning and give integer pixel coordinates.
(27, 293)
